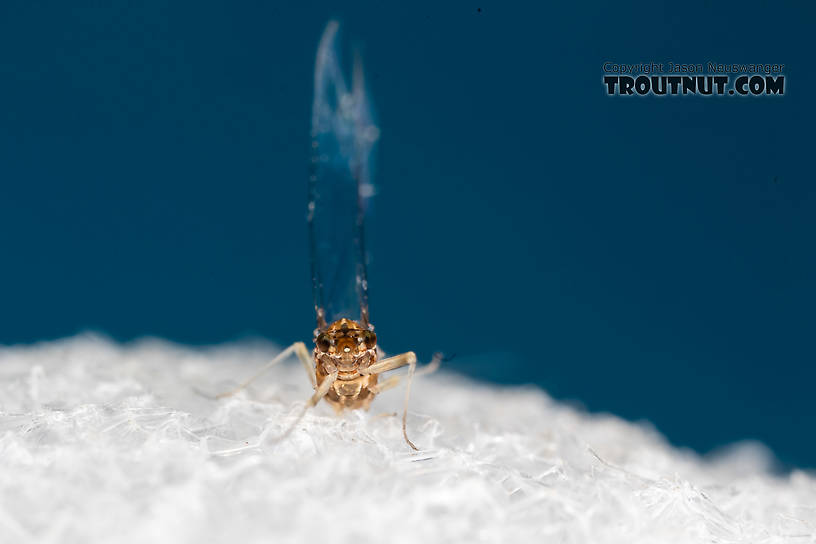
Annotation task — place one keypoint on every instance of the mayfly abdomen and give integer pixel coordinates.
(343, 138)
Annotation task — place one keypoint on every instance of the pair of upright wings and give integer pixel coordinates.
(343, 139)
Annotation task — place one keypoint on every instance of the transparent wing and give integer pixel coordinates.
(343, 138)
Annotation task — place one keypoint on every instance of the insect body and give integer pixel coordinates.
(349, 350)
(344, 367)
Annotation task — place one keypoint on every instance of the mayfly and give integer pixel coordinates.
(344, 367)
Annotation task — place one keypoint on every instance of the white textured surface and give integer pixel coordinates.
(107, 443)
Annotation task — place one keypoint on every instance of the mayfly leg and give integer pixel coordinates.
(393, 363)
(299, 349)
(394, 381)
(321, 392)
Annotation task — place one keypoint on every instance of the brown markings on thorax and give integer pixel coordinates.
(347, 347)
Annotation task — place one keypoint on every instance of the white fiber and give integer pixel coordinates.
(101, 442)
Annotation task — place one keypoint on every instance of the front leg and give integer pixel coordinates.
(391, 363)
(321, 392)
(394, 381)
(303, 355)
(398, 361)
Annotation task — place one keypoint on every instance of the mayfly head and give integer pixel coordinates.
(345, 341)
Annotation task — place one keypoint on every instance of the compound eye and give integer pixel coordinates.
(370, 339)
(323, 342)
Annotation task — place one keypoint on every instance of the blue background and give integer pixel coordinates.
(652, 257)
